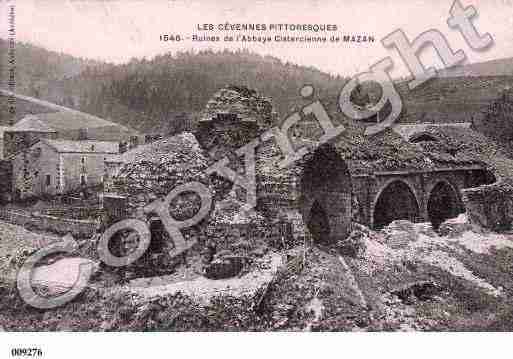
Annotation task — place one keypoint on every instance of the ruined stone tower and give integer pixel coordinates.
(233, 117)
(312, 195)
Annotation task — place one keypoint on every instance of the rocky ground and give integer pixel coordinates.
(402, 278)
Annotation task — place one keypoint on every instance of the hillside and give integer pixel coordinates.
(499, 67)
(37, 67)
(167, 93)
(39, 73)
(151, 95)
(451, 99)
(405, 277)
(164, 94)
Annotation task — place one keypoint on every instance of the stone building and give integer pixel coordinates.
(39, 123)
(3, 129)
(6, 181)
(63, 125)
(23, 135)
(353, 178)
(51, 167)
(374, 181)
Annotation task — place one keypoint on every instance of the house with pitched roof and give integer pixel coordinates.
(52, 167)
(39, 119)
(65, 126)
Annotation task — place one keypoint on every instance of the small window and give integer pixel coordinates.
(83, 180)
(92, 148)
(83, 160)
(48, 180)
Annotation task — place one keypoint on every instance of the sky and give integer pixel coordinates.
(116, 31)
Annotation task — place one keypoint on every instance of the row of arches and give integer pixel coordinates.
(326, 190)
(398, 201)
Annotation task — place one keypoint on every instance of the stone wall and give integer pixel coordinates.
(82, 213)
(368, 188)
(321, 181)
(74, 165)
(31, 169)
(490, 206)
(60, 226)
(5, 180)
(15, 142)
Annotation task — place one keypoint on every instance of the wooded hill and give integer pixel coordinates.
(166, 94)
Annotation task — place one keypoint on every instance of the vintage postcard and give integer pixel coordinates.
(266, 166)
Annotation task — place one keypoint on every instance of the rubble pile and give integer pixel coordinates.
(168, 163)
(389, 151)
(233, 229)
(16, 244)
(455, 227)
(384, 151)
(400, 279)
(354, 244)
(178, 312)
(460, 142)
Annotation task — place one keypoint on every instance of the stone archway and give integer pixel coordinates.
(443, 203)
(326, 195)
(318, 223)
(395, 201)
